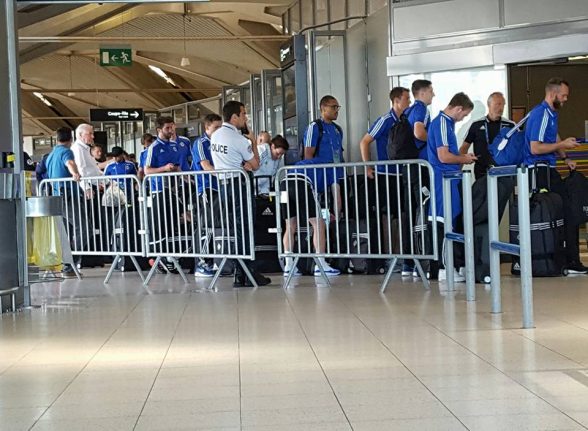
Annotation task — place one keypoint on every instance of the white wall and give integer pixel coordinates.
(367, 80)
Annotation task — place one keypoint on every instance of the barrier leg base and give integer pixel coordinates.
(138, 268)
(422, 274)
(290, 274)
(217, 274)
(322, 270)
(388, 275)
(111, 269)
(248, 273)
(178, 268)
(152, 271)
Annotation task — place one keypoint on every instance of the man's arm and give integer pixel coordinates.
(364, 149)
(309, 152)
(420, 132)
(73, 169)
(170, 167)
(446, 156)
(465, 147)
(538, 148)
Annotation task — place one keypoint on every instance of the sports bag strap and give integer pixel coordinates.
(517, 126)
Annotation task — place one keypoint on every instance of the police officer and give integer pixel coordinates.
(231, 150)
(483, 131)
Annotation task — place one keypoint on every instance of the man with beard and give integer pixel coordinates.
(543, 145)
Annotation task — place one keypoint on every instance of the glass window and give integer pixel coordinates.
(295, 18)
(307, 7)
(338, 12)
(376, 5)
(321, 15)
(477, 83)
(356, 7)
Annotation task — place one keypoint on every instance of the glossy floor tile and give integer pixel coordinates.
(178, 357)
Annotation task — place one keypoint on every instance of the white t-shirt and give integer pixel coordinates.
(229, 149)
(87, 165)
(267, 167)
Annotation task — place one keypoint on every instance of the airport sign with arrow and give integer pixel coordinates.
(116, 57)
(128, 114)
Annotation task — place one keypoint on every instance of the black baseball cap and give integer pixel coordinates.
(116, 152)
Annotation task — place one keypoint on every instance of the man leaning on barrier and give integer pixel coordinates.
(61, 164)
(231, 150)
(444, 156)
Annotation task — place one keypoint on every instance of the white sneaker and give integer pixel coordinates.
(295, 272)
(330, 272)
(457, 277)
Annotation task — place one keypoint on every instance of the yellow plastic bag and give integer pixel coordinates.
(46, 243)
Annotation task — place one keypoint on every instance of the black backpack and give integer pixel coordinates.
(401, 143)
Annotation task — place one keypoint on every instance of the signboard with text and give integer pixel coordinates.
(128, 114)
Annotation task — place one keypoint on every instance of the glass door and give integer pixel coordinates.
(327, 50)
(271, 82)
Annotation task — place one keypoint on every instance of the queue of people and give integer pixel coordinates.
(226, 143)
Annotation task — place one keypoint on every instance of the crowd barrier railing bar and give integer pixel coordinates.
(201, 215)
(102, 216)
(523, 249)
(378, 211)
(467, 238)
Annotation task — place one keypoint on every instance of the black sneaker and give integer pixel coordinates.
(160, 268)
(68, 272)
(241, 280)
(577, 268)
(171, 268)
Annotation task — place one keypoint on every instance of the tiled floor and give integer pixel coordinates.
(176, 357)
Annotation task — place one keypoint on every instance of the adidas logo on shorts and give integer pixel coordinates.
(267, 212)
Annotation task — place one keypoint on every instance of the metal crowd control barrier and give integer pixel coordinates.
(523, 250)
(467, 238)
(102, 216)
(202, 215)
(364, 218)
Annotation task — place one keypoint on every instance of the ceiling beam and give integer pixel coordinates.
(25, 19)
(80, 39)
(119, 90)
(43, 49)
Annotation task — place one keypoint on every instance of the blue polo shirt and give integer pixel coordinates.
(182, 146)
(331, 145)
(56, 167)
(380, 131)
(442, 134)
(159, 154)
(418, 113)
(122, 168)
(318, 177)
(143, 157)
(541, 126)
(200, 152)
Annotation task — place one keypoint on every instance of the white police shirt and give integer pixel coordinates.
(267, 167)
(229, 149)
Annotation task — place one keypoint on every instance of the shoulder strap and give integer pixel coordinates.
(321, 130)
(517, 126)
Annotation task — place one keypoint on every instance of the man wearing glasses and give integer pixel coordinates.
(323, 141)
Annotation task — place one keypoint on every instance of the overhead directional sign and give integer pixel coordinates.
(129, 114)
(116, 57)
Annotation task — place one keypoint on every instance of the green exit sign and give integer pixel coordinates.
(116, 57)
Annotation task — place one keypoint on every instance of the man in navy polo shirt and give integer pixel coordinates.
(119, 166)
(60, 163)
(183, 147)
(207, 185)
(146, 140)
(328, 146)
(388, 176)
(542, 144)
(444, 156)
(162, 157)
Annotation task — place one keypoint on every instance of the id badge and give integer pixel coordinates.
(336, 156)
